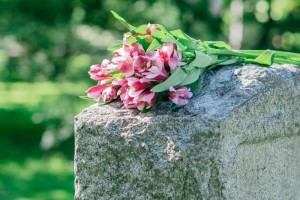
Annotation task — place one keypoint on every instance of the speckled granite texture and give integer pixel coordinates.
(238, 138)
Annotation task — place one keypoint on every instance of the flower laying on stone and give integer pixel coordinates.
(152, 63)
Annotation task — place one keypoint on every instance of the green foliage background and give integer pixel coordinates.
(46, 49)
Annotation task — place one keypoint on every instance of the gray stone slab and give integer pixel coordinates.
(238, 138)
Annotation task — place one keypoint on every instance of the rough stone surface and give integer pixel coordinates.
(238, 138)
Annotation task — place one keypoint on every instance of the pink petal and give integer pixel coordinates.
(172, 64)
(150, 28)
(159, 62)
(172, 89)
(127, 69)
(182, 102)
(109, 94)
(95, 92)
(119, 81)
(168, 48)
(141, 105)
(151, 76)
(136, 50)
(140, 64)
(180, 96)
(134, 93)
(148, 97)
(132, 81)
(145, 80)
(151, 55)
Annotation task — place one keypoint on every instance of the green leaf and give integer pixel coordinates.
(175, 79)
(116, 47)
(158, 34)
(145, 110)
(203, 60)
(138, 39)
(194, 86)
(162, 28)
(100, 103)
(165, 36)
(140, 29)
(184, 40)
(86, 98)
(265, 58)
(122, 20)
(181, 35)
(190, 38)
(189, 54)
(227, 61)
(219, 45)
(160, 96)
(134, 39)
(154, 45)
(178, 34)
(190, 45)
(193, 74)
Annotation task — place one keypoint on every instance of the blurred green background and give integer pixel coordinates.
(46, 48)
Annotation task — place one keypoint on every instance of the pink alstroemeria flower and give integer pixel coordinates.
(101, 72)
(126, 99)
(123, 60)
(175, 60)
(125, 64)
(136, 50)
(126, 68)
(152, 27)
(95, 92)
(180, 96)
(109, 94)
(140, 65)
(133, 71)
(146, 100)
(156, 72)
(151, 55)
(170, 56)
(127, 56)
(136, 87)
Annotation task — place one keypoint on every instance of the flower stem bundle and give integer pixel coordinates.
(153, 63)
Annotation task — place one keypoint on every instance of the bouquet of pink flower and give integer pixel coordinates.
(152, 64)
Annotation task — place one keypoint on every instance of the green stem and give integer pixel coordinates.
(281, 57)
(278, 53)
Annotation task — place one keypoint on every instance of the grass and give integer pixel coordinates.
(33, 94)
(26, 172)
(26, 112)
